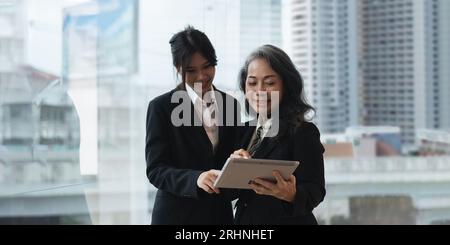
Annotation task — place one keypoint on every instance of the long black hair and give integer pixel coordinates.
(293, 107)
(186, 43)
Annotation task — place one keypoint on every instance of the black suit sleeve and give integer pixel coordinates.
(161, 172)
(310, 176)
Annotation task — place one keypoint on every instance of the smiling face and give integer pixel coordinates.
(261, 82)
(199, 71)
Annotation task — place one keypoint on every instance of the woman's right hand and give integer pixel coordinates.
(241, 154)
(206, 181)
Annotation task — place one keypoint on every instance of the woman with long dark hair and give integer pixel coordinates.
(183, 155)
(274, 91)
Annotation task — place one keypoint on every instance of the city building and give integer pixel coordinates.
(405, 59)
(324, 35)
(363, 142)
(260, 24)
(433, 142)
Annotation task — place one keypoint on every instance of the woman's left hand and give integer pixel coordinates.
(283, 190)
(241, 154)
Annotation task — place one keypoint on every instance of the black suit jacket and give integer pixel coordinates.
(303, 146)
(176, 156)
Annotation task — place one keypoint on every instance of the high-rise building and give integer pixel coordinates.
(324, 35)
(444, 63)
(404, 63)
(260, 24)
(375, 63)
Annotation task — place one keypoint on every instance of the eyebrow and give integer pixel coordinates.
(205, 64)
(264, 78)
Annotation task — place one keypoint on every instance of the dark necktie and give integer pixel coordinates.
(256, 141)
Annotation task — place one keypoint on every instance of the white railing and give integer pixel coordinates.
(391, 169)
(387, 164)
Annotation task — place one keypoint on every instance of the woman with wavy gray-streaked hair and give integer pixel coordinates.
(267, 72)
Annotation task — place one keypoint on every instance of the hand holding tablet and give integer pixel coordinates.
(237, 173)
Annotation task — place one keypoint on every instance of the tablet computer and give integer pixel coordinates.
(238, 173)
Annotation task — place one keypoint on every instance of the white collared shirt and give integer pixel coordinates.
(266, 126)
(204, 112)
(194, 96)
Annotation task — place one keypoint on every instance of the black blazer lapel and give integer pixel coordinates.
(199, 133)
(196, 134)
(247, 136)
(221, 117)
(266, 147)
(224, 133)
(269, 144)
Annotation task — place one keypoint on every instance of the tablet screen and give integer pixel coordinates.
(238, 173)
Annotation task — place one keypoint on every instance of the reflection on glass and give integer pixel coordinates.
(72, 131)
(40, 151)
